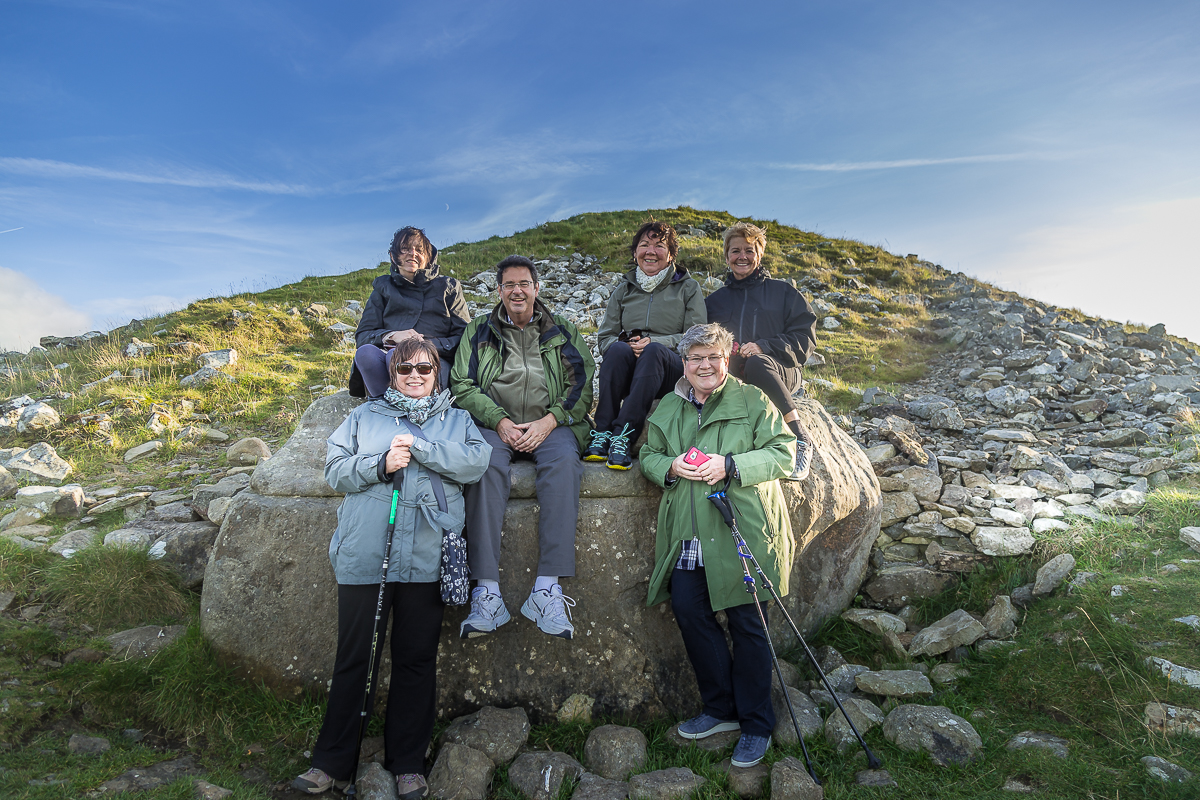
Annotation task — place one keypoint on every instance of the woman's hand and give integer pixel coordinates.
(534, 433)
(710, 472)
(402, 440)
(638, 345)
(397, 458)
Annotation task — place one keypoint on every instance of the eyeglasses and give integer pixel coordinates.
(424, 368)
(510, 286)
(696, 361)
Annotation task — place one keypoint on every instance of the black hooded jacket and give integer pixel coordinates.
(768, 312)
(430, 304)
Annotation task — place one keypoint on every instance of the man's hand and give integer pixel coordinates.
(750, 349)
(638, 345)
(534, 433)
(509, 432)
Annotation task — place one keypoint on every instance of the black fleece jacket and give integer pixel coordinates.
(430, 304)
(769, 312)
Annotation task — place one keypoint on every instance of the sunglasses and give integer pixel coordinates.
(406, 369)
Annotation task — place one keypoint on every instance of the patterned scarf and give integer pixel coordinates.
(650, 282)
(418, 409)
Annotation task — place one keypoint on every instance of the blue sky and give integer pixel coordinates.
(152, 153)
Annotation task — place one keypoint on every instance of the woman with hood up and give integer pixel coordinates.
(412, 301)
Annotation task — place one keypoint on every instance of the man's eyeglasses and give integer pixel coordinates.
(696, 361)
(406, 369)
(511, 285)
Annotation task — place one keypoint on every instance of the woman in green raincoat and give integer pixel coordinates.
(696, 564)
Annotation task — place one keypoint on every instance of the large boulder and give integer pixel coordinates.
(269, 603)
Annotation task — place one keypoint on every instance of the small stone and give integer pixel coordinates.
(1001, 619)
(143, 642)
(874, 621)
(863, 713)
(594, 787)
(947, 737)
(1171, 719)
(1184, 676)
(576, 708)
(946, 674)
(613, 751)
(1039, 740)
(1191, 537)
(894, 683)
(203, 790)
(460, 773)
(1164, 770)
(82, 745)
(498, 732)
(879, 778)
(746, 782)
(247, 452)
(1051, 574)
(674, 783)
(134, 453)
(791, 781)
(956, 629)
(538, 775)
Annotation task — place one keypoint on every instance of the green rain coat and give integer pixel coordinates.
(737, 419)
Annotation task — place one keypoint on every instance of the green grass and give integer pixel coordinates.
(115, 586)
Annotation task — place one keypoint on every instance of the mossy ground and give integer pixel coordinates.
(184, 700)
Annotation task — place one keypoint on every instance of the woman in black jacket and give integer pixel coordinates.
(413, 301)
(773, 328)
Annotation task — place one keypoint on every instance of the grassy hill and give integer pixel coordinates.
(288, 356)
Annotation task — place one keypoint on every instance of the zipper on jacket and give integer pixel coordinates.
(742, 321)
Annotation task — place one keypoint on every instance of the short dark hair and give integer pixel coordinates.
(662, 231)
(515, 261)
(406, 233)
(407, 351)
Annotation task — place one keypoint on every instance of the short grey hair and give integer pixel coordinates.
(710, 335)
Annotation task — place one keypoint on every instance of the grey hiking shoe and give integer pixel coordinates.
(750, 750)
(411, 786)
(316, 781)
(551, 610)
(803, 459)
(488, 612)
(703, 726)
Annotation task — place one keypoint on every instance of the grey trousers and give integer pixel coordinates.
(559, 471)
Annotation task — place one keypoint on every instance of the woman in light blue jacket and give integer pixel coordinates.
(365, 453)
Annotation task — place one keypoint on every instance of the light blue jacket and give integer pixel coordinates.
(455, 450)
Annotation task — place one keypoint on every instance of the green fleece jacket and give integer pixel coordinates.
(664, 314)
(567, 362)
(737, 419)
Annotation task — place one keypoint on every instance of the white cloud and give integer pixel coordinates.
(904, 163)
(1135, 263)
(153, 174)
(28, 312)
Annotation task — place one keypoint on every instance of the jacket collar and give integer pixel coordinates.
(542, 318)
(726, 402)
(681, 274)
(750, 281)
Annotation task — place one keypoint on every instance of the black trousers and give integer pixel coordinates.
(416, 612)
(777, 381)
(736, 686)
(638, 380)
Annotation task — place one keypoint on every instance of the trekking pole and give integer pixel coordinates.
(722, 502)
(351, 789)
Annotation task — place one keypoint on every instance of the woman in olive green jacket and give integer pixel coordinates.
(696, 564)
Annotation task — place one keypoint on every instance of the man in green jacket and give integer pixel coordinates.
(525, 375)
(696, 563)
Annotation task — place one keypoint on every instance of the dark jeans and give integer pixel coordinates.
(559, 472)
(372, 364)
(732, 687)
(638, 380)
(416, 610)
(778, 382)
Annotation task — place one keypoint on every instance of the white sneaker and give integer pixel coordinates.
(488, 612)
(551, 610)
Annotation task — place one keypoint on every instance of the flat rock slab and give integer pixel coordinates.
(538, 775)
(956, 629)
(1171, 719)
(675, 783)
(863, 713)
(947, 737)
(875, 621)
(1164, 770)
(499, 733)
(1184, 676)
(808, 715)
(143, 779)
(614, 751)
(746, 782)
(82, 745)
(143, 642)
(1039, 740)
(710, 744)
(594, 787)
(879, 778)
(791, 781)
(894, 683)
(203, 790)
(460, 773)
